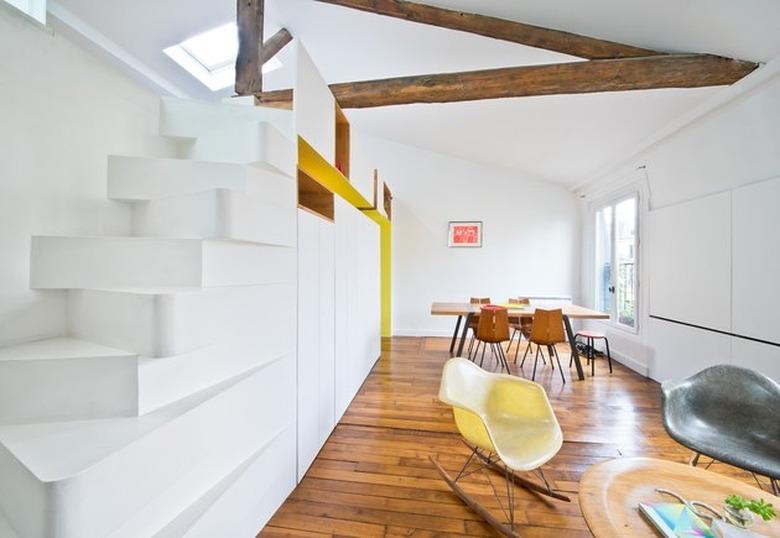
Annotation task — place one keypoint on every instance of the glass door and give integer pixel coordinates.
(616, 261)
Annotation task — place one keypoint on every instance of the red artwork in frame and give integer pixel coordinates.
(465, 234)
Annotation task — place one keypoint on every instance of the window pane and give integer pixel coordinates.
(604, 259)
(625, 258)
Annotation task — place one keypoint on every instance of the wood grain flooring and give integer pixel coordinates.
(373, 476)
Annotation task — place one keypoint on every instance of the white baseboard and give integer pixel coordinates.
(422, 332)
(631, 363)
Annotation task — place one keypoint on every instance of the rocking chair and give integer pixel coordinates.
(509, 425)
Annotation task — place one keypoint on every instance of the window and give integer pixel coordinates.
(616, 261)
(34, 8)
(211, 56)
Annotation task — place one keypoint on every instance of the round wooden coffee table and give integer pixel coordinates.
(610, 494)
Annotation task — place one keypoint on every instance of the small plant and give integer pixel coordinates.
(759, 507)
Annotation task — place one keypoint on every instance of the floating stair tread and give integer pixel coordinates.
(61, 450)
(93, 262)
(59, 348)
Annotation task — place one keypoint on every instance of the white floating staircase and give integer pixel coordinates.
(169, 407)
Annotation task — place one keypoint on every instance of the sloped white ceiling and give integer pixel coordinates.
(557, 138)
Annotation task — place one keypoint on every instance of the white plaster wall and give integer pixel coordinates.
(735, 144)
(531, 231)
(62, 111)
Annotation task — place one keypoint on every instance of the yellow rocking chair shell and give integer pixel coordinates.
(503, 414)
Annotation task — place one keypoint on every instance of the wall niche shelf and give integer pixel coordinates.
(315, 198)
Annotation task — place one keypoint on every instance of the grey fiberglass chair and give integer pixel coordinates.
(728, 413)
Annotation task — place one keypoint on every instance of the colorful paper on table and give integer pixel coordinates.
(675, 520)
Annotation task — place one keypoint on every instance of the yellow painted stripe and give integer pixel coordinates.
(319, 169)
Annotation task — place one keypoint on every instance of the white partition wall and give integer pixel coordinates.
(316, 346)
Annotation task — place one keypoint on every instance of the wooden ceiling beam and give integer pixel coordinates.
(249, 63)
(516, 32)
(654, 72)
(275, 44)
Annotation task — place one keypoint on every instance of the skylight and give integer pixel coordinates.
(210, 56)
(34, 8)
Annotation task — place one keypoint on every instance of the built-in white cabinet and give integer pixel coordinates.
(358, 301)
(316, 336)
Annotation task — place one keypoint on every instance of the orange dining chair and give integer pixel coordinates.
(493, 331)
(547, 331)
(520, 325)
(475, 320)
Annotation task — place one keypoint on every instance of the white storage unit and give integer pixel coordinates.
(316, 346)
(358, 296)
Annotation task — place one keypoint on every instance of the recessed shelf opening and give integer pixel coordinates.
(315, 198)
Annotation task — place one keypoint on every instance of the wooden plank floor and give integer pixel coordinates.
(373, 476)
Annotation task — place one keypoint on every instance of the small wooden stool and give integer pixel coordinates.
(590, 337)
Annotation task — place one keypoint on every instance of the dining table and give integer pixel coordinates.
(466, 311)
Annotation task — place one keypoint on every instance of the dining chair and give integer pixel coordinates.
(492, 332)
(547, 331)
(521, 326)
(475, 321)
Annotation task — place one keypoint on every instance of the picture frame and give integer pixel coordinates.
(464, 234)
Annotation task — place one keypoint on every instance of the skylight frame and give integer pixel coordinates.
(218, 74)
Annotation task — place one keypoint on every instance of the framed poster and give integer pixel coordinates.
(465, 234)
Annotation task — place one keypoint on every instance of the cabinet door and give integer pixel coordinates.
(358, 326)
(308, 339)
(327, 338)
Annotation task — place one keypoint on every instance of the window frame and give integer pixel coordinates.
(613, 202)
(35, 10)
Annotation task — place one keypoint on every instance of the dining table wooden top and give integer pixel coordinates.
(572, 311)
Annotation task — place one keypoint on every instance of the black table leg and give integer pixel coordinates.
(463, 334)
(455, 334)
(573, 346)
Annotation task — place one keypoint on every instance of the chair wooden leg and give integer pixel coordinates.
(609, 355)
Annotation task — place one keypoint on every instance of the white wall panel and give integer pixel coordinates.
(689, 257)
(679, 351)
(756, 260)
(316, 336)
(758, 356)
(327, 337)
(308, 339)
(358, 314)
